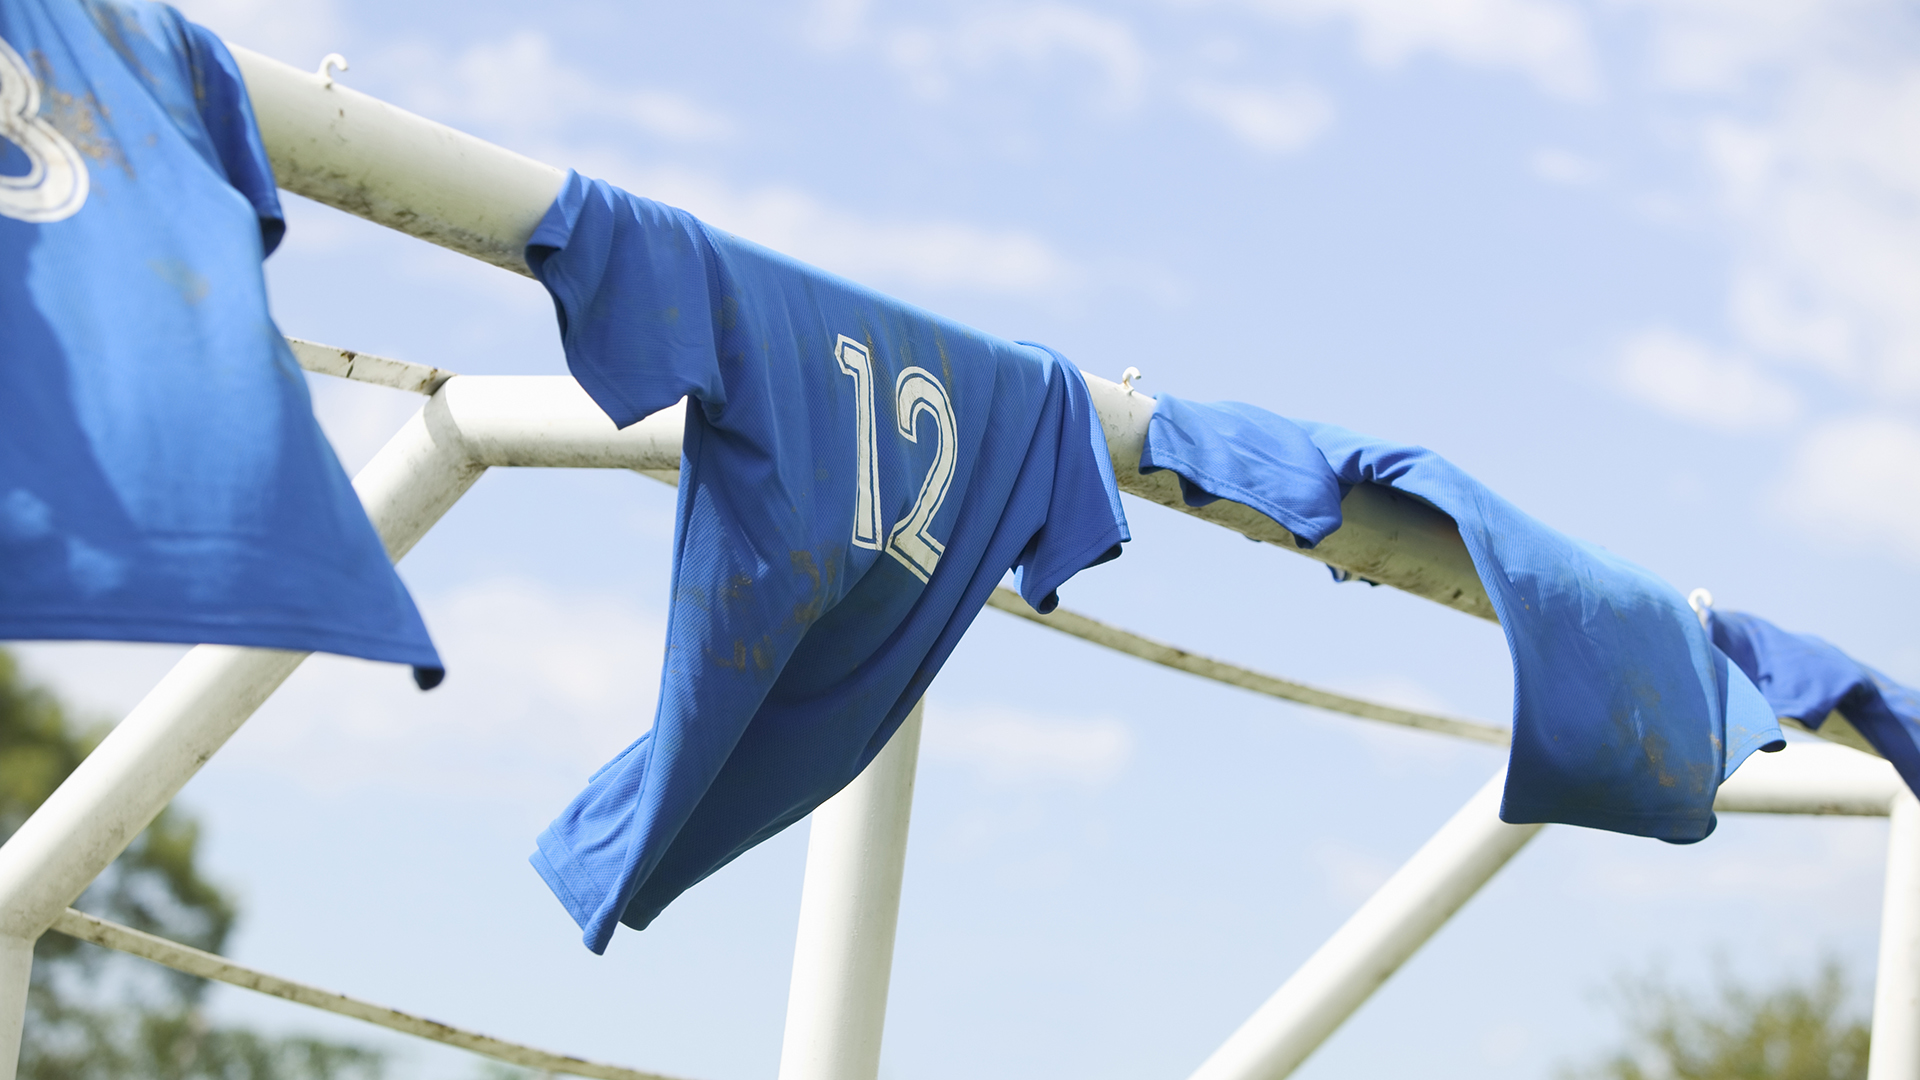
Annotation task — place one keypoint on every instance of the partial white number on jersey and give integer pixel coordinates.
(916, 393)
(912, 542)
(854, 361)
(55, 184)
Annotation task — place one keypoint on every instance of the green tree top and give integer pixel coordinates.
(1792, 1031)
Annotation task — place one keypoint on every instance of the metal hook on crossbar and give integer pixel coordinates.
(1127, 378)
(1701, 601)
(327, 65)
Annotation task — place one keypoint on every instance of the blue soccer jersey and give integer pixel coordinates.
(1805, 678)
(857, 477)
(1625, 714)
(162, 477)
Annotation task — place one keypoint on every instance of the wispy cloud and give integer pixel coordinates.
(928, 253)
(1040, 37)
(1547, 41)
(543, 685)
(1351, 876)
(1799, 114)
(1685, 378)
(1269, 121)
(1557, 166)
(1011, 746)
(516, 89)
(297, 32)
(1857, 478)
(517, 85)
(935, 59)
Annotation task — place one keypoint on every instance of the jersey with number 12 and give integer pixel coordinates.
(858, 475)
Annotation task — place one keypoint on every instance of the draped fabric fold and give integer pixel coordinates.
(162, 477)
(858, 475)
(1626, 716)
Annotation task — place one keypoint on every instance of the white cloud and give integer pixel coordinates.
(1800, 113)
(297, 32)
(357, 418)
(939, 254)
(1352, 876)
(1831, 861)
(518, 85)
(1859, 478)
(1828, 198)
(513, 89)
(99, 681)
(542, 687)
(1685, 378)
(1040, 36)
(836, 24)
(1722, 45)
(1545, 40)
(1008, 745)
(1559, 166)
(1269, 121)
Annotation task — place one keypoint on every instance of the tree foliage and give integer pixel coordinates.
(93, 1014)
(1793, 1031)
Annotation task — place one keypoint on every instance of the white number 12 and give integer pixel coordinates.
(917, 391)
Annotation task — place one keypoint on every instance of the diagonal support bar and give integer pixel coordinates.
(206, 965)
(1387, 930)
(123, 785)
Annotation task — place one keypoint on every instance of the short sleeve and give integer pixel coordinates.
(227, 112)
(1085, 524)
(1248, 455)
(637, 287)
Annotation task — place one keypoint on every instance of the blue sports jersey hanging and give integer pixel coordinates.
(1806, 679)
(162, 477)
(1625, 715)
(857, 476)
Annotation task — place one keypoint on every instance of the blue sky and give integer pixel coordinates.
(1648, 269)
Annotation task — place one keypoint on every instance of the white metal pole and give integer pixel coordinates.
(338, 146)
(1896, 992)
(1388, 929)
(119, 789)
(208, 966)
(849, 908)
(16, 970)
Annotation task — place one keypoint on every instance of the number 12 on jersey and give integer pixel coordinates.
(916, 392)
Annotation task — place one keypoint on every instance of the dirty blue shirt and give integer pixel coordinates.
(162, 477)
(1805, 678)
(1625, 716)
(857, 476)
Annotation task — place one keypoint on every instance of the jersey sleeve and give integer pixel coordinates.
(1233, 451)
(1085, 524)
(634, 284)
(227, 112)
(1626, 715)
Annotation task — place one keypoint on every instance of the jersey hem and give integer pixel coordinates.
(546, 846)
(250, 634)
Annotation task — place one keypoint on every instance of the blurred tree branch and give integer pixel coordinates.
(94, 1014)
(1792, 1031)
